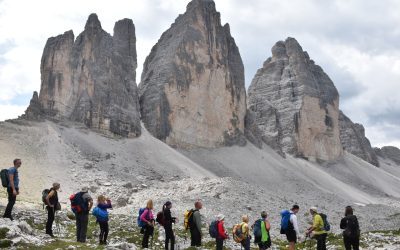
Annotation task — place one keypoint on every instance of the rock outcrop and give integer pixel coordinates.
(192, 91)
(389, 152)
(352, 136)
(295, 104)
(91, 80)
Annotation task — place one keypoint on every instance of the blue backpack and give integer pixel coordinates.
(139, 221)
(285, 220)
(213, 229)
(257, 228)
(100, 214)
(327, 226)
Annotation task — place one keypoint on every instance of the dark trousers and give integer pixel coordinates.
(103, 231)
(169, 235)
(195, 237)
(351, 242)
(50, 220)
(10, 204)
(148, 231)
(220, 244)
(246, 243)
(82, 220)
(321, 241)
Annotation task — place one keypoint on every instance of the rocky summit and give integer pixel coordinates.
(352, 136)
(295, 104)
(91, 79)
(192, 91)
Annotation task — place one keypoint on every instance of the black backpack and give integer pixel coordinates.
(352, 229)
(4, 177)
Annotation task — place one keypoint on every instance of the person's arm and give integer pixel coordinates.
(267, 225)
(11, 179)
(51, 194)
(197, 220)
(343, 223)
(293, 220)
(90, 204)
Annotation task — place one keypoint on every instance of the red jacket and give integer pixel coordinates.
(221, 230)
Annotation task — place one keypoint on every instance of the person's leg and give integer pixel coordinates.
(220, 244)
(101, 235)
(146, 235)
(168, 230)
(10, 204)
(78, 227)
(356, 243)
(323, 241)
(50, 220)
(318, 238)
(247, 246)
(105, 232)
(84, 224)
(347, 243)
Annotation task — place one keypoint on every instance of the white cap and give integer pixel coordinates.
(220, 217)
(314, 209)
(85, 189)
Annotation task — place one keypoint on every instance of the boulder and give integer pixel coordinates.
(192, 91)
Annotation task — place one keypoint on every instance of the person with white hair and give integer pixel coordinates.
(221, 232)
(85, 201)
(316, 230)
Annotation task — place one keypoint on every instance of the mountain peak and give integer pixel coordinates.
(93, 22)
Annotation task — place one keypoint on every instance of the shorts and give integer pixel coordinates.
(291, 236)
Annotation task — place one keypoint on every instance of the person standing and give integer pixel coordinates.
(148, 218)
(13, 188)
(246, 232)
(351, 233)
(82, 217)
(101, 214)
(168, 221)
(264, 240)
(221, 232)
(292, 232)
(52, 206)
(317, 229)
(195, 225)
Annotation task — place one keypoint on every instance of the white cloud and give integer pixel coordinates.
(356, 42)
(9, 111)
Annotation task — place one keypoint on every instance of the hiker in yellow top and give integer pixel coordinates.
(246, 232)
(317, 231)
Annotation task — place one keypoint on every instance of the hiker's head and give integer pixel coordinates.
(264, 214)
(17, 163)
(348, 211)
(168, 205)
(101, 199)
(313, 210)
(149, 204)
(245, 218)
(85, 189)
(220, 217)
(56, 186)
(295, 209)
(198, 205)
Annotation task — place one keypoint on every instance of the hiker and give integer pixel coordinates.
(221, 232)
(317, 231)
(261, 228)
(85, 202)
(244, 226)
(195, 225)
(292, 230)
(351, 233)
(148, 218)
(167, 223)
(52, 206)
(101, 214)
(13, 188)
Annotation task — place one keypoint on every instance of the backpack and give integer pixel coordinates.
(100, 214)
(160, 218)
(352, 230)
(78, 204)
(139, 221)
(238, 235)
(285, 214)
(188, 219)
(4, 177)
(257, 228)
(45, 193)
(327, 226)
(213, 229)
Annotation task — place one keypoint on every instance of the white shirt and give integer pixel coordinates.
(293, 220)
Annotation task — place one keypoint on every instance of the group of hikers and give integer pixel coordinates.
(82, 203)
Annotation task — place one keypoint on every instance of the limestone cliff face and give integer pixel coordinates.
(389, 152)
(295, 104)
(192, 91)
(352, 136)
(92, 79)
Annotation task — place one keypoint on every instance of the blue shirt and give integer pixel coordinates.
(13, 171)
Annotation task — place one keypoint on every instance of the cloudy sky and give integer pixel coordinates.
(357, 42)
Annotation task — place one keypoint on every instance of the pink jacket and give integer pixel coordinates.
(147, 216)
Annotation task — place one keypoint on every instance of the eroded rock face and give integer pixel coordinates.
(389, 152)
(352, 136)
(295, 104)
(92, 79)
(192, 91)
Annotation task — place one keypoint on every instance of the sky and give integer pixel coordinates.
(356, 42)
